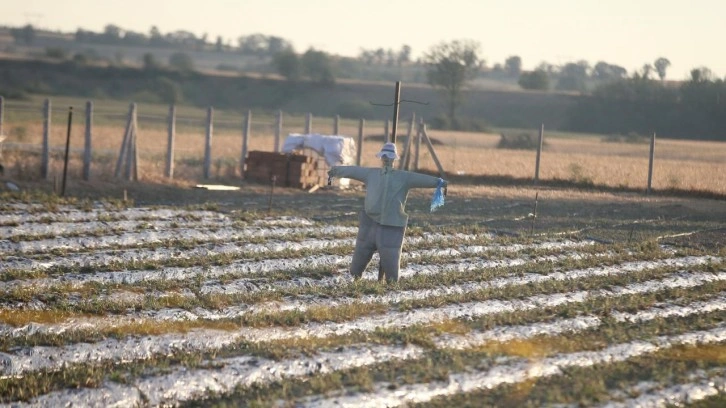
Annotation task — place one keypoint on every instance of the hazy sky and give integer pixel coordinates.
(629, 33)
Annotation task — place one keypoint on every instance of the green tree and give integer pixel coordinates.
(288, 64)
(607, 72)
(513, 66)
(150, 62)
(535, 80)
(112, 34)
(701, 74)
(181, 61)
(404, 55)
(25, 34)
(168, 90)
(573, 76)
(661, 65)
(449, 66)
(317, 66)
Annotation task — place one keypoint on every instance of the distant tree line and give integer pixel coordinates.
(695, 109)
(611, 101)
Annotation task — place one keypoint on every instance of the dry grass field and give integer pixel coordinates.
(585, 159)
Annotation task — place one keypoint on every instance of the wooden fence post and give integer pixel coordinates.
(539, 152)
(419, 134)
(132, 153)
(171, 136)
(308, 123)
(361, 128)
(87, 146)
(405, 162)
(278, 130)
(45, 158)
(336, 125)
(650, 162)
(67, 151)
(245, 141)
(2, 113)
(126, 140)
(208, 143)
(432, 151)
(2, 110)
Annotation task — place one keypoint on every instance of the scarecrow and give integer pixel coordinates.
(383, 221)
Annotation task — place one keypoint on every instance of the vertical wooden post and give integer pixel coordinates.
(405, 162)
(245, 141)
(308, 123)
(170, 140)
(131, 154)
(135, 156)
(126, 140)
(432, 151)
(68, 149)
(208, 143)
(2, 110)
(87, 152)
(45, 159)
(2, 113)
(539, 152)
(396, 104)
(336, 125)
(386, 134)
(419, 133)
(650, 162)
(278, 130)
(361, 128)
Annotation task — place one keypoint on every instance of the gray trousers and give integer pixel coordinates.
(385, 239)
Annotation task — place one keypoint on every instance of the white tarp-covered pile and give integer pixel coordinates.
(337, 150)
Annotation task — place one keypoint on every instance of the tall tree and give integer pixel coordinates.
(606, 72)
(404, 55)
(535, 80)
(513, 66)
(181, 61)
(288, 64)
(449, 66)
(317, 66)
(661, 65)
(573, 76)
(25, 35)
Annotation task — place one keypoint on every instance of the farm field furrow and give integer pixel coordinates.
(132, 348)
(104, 306)
(69, 321)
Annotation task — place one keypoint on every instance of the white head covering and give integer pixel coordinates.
(388, 150)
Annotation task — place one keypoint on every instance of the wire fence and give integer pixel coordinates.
(35, 140)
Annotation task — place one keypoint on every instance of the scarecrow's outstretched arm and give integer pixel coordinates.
(351, 172)
(418, 180)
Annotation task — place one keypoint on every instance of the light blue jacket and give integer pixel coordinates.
(386, 190)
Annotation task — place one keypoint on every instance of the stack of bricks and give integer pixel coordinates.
(290, 170)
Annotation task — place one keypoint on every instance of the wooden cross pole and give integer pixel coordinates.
(396, 103)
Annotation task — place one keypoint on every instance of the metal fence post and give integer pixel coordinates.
(539, 152)
(278, 130)
(45, 158)
(650, 162)
(171, 136)
(245, 140)
(208, 143)
(308, 123)
(361, 128)
(87, 146)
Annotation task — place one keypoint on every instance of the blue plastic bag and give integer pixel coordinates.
(438, 199)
